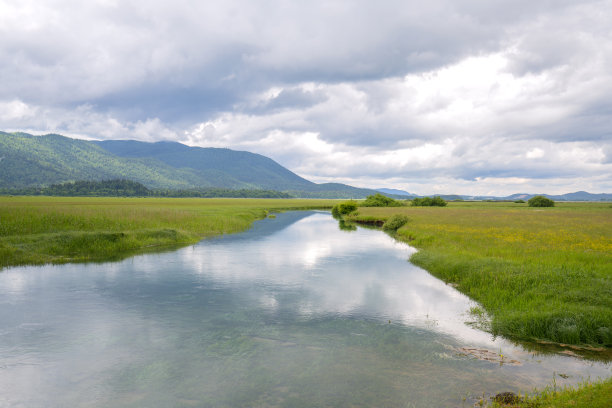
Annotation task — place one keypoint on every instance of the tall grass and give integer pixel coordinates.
(588, 395)
(543, 274)
(35, 230)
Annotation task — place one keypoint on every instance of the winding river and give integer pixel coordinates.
(293, 312)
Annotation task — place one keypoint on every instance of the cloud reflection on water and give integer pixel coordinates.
(362, 273)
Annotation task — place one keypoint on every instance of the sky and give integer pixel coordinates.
(439, 97)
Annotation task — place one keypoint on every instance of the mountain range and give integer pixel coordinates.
(577, 196)
(33, 161)
(38, 161)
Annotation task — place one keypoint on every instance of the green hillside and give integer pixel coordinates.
(215, 164)
(40, 161)
(30, 161)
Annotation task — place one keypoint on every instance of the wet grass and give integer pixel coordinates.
(39, 230)
(588, 395)
(541, 273)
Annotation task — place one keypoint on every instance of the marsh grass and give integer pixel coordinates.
(38, 230)
(542, 274)
(587, 395)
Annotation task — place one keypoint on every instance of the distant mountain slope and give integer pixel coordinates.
(395, 192)
(44, 160)
(32, 161)
(577, 196)
(255, 170)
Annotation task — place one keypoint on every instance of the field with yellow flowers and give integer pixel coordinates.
(542, 274)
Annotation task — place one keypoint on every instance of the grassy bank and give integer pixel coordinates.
(589, 395)
(38, 230)
(541, 274)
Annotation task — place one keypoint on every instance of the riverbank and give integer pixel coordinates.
(543, 275)
(589, 395)
(40, 230)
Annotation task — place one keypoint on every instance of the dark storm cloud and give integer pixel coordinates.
(101, 52)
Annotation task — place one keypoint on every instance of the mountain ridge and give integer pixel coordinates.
(38, 161)
(32, 161)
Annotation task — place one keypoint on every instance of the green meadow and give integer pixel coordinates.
(541, 274)
(39, 230)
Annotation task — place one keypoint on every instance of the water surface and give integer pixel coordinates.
(294, 312)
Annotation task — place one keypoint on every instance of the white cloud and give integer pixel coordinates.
(535, 153)
(81, 122)
(15, 110)
(473, 120)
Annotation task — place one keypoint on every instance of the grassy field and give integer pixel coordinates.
(38, 230)
(540, 273)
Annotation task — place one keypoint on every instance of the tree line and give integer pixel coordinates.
(129, 188)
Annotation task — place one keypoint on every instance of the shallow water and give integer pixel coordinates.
(294, 312)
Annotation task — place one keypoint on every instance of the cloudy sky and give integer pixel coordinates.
(443, 96)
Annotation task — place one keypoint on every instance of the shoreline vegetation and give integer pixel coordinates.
(38, 230)
(542, 274)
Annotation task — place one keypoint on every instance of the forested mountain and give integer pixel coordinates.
(40, 161)
(44, 160)
(228, 168)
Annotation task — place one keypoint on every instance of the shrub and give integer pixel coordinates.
(429, 202)
(379, 200)
(540, 201)
(519, 201)
(395, 222)
(341, 209)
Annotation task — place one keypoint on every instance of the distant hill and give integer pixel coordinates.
(41, 161)
(396, 192)
(577, 196)
(52, 159)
